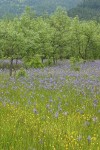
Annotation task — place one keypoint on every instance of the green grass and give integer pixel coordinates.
(40, 119)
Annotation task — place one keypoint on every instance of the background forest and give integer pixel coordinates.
(16, 7)
(85, 9)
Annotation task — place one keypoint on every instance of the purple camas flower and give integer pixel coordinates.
(94, 105)
(89, 139)
(35, 111)
(4, 103)
(81, 112)
(94, 119)
(56, 114)
(98, 111)
(50, 100)
(47, 106)
(87, 123)
(95, 101)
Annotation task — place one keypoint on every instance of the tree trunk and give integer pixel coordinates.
(42, 60)
(61, 58)
(16, 61)
(11, 66)
(54, 61)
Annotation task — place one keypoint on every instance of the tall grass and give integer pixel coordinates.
(37, 118)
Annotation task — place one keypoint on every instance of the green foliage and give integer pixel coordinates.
(60, 22)
(75, 63)
(87, 10)
(34, 62)
(21, 73)
(54, 37)
(48, 62)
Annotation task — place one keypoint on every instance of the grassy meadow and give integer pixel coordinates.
(53, 108)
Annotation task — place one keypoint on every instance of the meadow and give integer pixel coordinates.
(53, 108)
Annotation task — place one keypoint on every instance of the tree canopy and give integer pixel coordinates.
(49, 37)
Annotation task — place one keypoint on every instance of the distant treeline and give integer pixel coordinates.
(87, 10)
(16, 7)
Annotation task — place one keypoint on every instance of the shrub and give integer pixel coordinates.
(21, 73)
(75, 63)
(34, 62)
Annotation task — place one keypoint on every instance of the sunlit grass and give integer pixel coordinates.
(42, 119)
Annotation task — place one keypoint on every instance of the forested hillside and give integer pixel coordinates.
(16, 7)
(88, 9)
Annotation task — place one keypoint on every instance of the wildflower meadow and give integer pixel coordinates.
(52, 108)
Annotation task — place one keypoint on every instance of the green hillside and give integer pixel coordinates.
(88, 10)
(16, 7)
